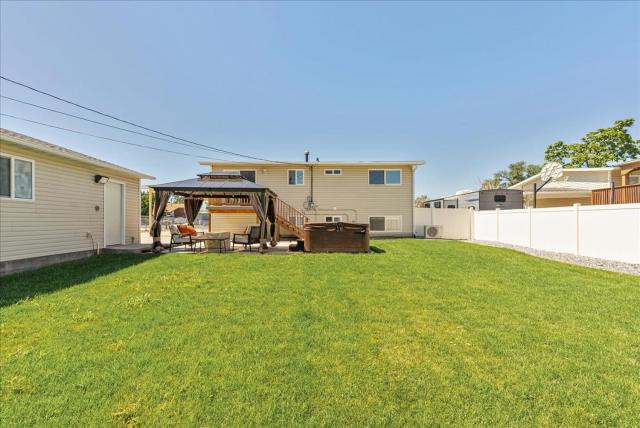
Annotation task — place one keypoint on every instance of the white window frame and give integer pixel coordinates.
(385, 177)
(296, 170)
(12, 189)
(239, 171)
(334, 218)
(333, 172)
(398, 217)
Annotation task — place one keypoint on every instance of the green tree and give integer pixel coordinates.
(144, 203)
(598, 148)
(515, 173)
(420, 200)
(176, 199)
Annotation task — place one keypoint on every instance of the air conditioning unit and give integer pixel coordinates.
(433, 232)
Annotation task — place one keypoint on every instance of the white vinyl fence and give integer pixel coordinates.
(456, 222)
(603, 231)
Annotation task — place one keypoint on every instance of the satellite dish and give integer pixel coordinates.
(551, 171)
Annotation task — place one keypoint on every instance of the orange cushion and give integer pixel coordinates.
(184, 228)
(191, 230)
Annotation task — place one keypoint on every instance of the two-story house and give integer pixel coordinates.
(380, 194)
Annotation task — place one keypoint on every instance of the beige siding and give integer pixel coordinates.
(231, 222)
(63, 211)
(561, 202)
(349, 195)
(616, 177)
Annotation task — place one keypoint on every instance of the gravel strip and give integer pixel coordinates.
(611, 265)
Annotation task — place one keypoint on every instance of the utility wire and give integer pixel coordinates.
(140, 126)
(102, 123)
(106, 138)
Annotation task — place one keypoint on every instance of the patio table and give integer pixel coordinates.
(203, 238)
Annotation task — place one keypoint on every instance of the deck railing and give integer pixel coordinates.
(214, 202)
(616, 195)
(290, 217)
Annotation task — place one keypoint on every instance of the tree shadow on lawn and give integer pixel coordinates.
(27, 285)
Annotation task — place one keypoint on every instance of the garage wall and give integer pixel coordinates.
(64, 208)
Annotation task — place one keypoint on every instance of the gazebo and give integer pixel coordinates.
(227, 185)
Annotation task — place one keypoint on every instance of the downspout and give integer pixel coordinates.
(311, 167)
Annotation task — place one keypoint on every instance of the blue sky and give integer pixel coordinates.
(468, 87)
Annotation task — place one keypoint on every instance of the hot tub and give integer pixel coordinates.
(336, 238)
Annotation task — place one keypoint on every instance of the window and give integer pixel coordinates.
(333, 218)
(5, 176)
(500, 198)
(385, 224)
(16, 178)
(634, 179)
(23, 177)
(296, 177)
(451, 206)
(247, 174)
(384, 176)
(332, 172)
(437, 204)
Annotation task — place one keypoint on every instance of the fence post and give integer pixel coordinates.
(612, 196)
(431, 215)
(530, 212)
(497, 224)
(577, 210)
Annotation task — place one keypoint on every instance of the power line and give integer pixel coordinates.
(107, 138)
(139, 126)
(101, 123)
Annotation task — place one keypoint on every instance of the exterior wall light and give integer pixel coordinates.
(101, 179)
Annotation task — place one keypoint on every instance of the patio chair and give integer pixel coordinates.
(179, 238)
(251, 236)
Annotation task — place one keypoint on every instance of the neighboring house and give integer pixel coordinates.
(573, 187)
(57, 204)
(630, 172)
(380, 194)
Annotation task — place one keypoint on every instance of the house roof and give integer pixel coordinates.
(571, 186)
(212, 182)
(314, 163)
(44, 146)
(629, 162)
(537, 177)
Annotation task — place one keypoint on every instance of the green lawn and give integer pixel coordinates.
(421, 333)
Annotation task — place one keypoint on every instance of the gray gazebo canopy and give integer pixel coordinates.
(214, 185)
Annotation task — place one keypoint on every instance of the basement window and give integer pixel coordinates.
(385, 223)
(333, 218)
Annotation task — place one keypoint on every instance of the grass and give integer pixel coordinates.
(421, 333)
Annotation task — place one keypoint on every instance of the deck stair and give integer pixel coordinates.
(290, 218)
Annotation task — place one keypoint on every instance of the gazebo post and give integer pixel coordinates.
(263, 223)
